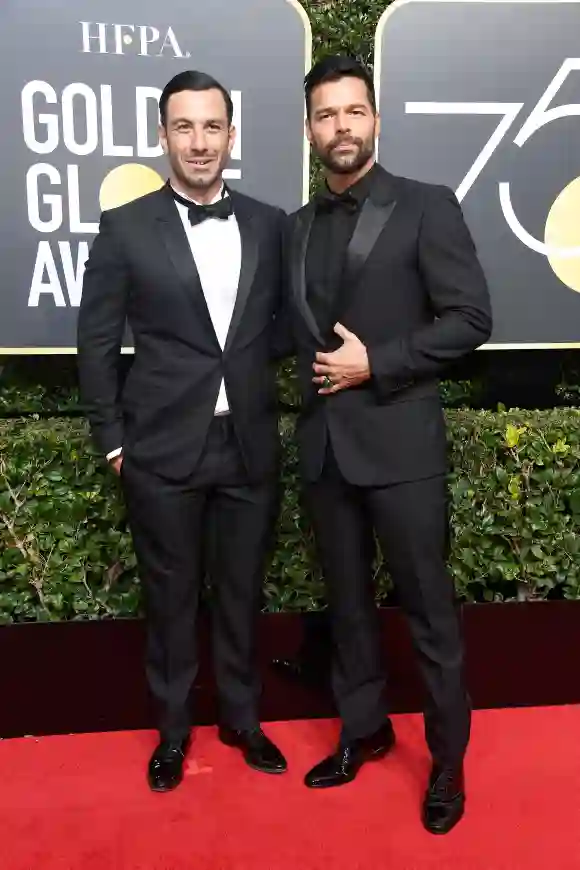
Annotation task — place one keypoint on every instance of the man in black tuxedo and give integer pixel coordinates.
(195, 271)
(385, 290)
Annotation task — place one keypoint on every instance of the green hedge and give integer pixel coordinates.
(65, 552)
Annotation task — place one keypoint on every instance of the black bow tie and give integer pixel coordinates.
(327, 201)
(222, 209)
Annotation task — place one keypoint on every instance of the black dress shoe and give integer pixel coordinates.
(343, 766)
(259, 752)
(165, 770)
(444, 800)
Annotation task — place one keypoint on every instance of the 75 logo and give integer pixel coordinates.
(543, 113)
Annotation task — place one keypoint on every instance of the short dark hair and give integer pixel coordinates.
(333, 68)
(192, 80)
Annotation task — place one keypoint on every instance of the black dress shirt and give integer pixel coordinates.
(332, 228)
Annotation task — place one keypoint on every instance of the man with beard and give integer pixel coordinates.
(195, 270)
(385, 290)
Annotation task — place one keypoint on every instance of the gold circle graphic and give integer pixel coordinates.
(563, 231)
(126, 183)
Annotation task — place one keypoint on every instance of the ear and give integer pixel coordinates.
(377, 125)
(308, 130)
(162, 137)
(232, 136)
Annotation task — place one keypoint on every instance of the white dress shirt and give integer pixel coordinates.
(216, 247)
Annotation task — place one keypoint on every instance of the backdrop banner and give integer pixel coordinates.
(485, 97)
(81, 83)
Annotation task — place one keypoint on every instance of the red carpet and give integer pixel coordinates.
(81, 803)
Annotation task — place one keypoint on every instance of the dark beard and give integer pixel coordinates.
(339, 165)
(197, 185)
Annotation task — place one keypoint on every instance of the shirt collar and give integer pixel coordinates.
(219, 195)
(361, 188)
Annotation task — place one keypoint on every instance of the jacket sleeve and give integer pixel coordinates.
(459, 297)
(283, 337)
(101, 324)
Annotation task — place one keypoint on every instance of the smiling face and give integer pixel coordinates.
(198, 141)
(342, 125)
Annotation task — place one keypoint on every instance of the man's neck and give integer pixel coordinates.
(338, 182)
(202, 197)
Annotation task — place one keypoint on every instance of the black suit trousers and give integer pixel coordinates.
(411, 524)
(217, 522)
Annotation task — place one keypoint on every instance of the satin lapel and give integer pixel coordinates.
(299, 246)
(249, 241)
(372, 221)
(176, 244)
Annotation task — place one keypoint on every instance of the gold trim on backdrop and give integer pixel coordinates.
(307, 65)
(559, 345)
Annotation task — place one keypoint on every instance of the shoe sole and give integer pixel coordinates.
(266, 770)
(324, 785)
(160, 790)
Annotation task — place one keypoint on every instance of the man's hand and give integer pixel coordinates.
(116, 464)
(346, 367)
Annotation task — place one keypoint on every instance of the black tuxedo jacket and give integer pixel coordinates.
(413, 291)
(141, 271)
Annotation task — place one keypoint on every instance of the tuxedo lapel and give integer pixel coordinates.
(177, 246)
(375, 213)
(249, 242)
(298, 249)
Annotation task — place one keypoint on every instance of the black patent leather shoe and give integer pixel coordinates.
(343, 766)
(444, 802)
(165, 770)
(258, 750)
